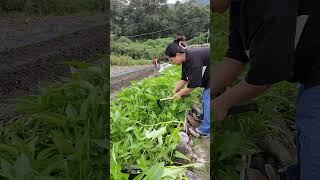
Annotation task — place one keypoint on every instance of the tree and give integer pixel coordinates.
(188, 12)
(144, 16)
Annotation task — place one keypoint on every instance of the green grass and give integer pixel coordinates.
(127, 61)
(139, 49)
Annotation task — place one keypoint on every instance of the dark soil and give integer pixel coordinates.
(21, 31)
(124, 77)
(23, 67)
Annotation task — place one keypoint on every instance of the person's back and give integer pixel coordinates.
(199, 57)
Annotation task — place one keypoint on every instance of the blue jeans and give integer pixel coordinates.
(308, 135)
(204, 128)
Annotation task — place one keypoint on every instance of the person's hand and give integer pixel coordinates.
(219, 109)
(177, 96)
(175, 91)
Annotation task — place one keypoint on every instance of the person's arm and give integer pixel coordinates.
(183, 92)
(276, 34)
(180, 84)
(239, 93)
(219, 6)
(195, 80)
(225, 73)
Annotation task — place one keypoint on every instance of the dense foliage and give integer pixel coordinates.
(139, 16)
(140, 50)
(62, 133)
(119, 60)
(142, 134)
(134, 52)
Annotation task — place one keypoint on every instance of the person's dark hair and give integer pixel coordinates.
(177, 46)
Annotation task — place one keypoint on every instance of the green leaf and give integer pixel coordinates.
(9, 149)
(51, 118)
(54, 163)
(181, 156)
(155, 172)
(45, 153)
(113, 154)
(155, 133)
(71, 112)
(22, 167)
(61, 142)
(84, 110)
(173, 172)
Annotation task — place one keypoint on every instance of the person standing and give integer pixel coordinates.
(195, 64)
(155, 63)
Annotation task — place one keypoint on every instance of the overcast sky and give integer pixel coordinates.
(172, 1)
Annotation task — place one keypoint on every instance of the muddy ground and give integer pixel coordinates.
(21, 31)
(38, 55)
(122, 77)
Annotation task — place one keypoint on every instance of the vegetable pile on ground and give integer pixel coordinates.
(264, 136)
(61, 134)
(143, 136)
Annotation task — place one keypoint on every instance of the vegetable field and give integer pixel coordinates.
(250, 140)
(143, 135)
(60, 134)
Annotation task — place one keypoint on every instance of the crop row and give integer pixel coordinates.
(62, 132)
(143, 135)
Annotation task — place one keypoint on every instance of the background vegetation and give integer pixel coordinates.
(127, 51)
(140, 16)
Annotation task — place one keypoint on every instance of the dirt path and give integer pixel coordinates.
(202, 147)
(122, 77)
(22, 68)
(116, 71)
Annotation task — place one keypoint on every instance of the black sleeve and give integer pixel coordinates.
(183, 73)
(272, 42)
(195, 79)
(236, 49)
